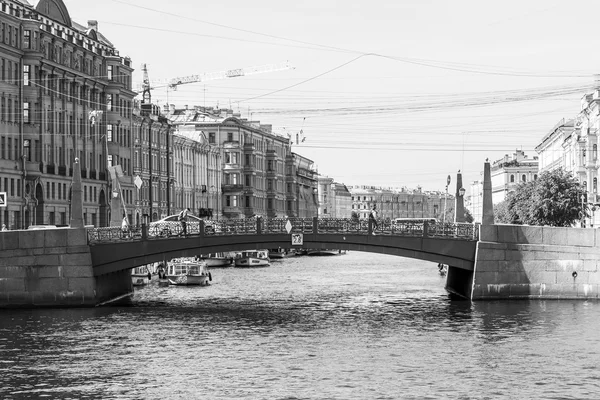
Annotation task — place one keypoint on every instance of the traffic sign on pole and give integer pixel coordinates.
(3, 201)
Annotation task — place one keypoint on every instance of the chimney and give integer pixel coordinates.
(92, 24)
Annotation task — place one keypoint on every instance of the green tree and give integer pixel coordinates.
(553, 199)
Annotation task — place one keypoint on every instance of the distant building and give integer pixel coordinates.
(399, 203)
(335, 200)
(301, 187)
(509, 171)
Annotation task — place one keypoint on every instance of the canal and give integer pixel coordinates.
(356, 326)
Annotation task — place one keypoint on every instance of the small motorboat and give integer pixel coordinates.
(253, 258)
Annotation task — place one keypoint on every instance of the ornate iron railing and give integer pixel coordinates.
(232, 227)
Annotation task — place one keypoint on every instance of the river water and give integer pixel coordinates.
(355, 326)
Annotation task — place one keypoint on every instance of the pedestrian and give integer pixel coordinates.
(125, 226)
(4, 227)
(373, 219)
(183, 219)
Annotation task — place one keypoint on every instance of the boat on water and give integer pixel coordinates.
(253, 258)
(326, 252)
(142, 275)
(278, 253)
(188, 271)
(217, 259)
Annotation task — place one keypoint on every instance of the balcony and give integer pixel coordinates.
(33, 169)
(228, 188)
(232, 145)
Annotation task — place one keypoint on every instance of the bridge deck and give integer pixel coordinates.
(114, 249)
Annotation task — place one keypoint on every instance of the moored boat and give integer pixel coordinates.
(326, 252)
(188, 271)
(278, 253)
(217, 259)
(142, 275)
(253, 258)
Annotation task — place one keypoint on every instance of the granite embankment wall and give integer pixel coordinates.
(533, 262)
(53, 268)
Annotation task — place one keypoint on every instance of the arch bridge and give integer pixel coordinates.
(113, 249)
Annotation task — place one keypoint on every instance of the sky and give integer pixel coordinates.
(384, 93)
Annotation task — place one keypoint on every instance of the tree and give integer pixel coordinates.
(354, 216)
(553, 199)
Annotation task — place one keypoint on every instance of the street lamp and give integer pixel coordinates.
(582, 211)
(446, 198)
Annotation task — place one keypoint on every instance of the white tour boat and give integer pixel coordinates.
(188, 271)
(141, 276)
(253, 258)
(278, 253)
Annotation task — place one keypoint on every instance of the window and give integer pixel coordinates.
(109, 132)
(512, 179)
(110, 159)
(248, 181)
(211, 137)
(26, 107)
(248, 160)
(230, 136)
(26, 39)
(109, 100)
(535, 177)
(595, 185)
(109, 72)
(247, 201)
(269, 203)
(524, 178)
(595, 152)
(26, 74)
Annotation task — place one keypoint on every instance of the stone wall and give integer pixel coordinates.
(52, 268)
(513, 261)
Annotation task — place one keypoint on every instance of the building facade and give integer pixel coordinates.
(399, 203)
(64, 91)
(510, 171)
(251, 170)
(153, 169)
(573, 145)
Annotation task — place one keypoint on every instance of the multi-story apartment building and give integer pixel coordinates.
(399, 203)
(335, 201)
(65, 93)
(197, 172)
(508, 172)
(301, 187)
(342, 201)
(253, 162)
(573, 145)
(153, 168)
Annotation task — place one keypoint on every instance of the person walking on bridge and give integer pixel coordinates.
(183, 219)
(373, 219)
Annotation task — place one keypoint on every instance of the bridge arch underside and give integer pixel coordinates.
(113, 257)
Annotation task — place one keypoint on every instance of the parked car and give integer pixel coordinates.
(171, 226)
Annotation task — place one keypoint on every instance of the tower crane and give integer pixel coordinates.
(209, 76)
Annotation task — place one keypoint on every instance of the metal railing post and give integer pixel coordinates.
(202, 228)
(144, 232)
(315, 225)
(425, 229)
(259, 226)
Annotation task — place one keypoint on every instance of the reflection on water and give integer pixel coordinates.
(357, 326)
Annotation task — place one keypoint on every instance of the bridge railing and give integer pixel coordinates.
(463, 231)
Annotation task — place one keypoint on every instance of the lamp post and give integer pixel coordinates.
(582, 211)
(446, 198)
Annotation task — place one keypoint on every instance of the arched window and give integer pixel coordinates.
(535, 177)
(524, 178)
(512, 179)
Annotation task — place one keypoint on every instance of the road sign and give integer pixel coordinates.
(297, 239)
(3, 201)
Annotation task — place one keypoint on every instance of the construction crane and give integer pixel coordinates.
(210, 76)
